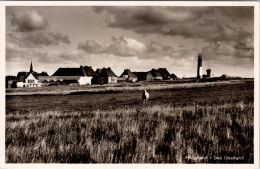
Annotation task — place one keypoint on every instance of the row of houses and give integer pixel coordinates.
(84, 75)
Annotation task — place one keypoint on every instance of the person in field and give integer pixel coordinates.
(145, 96)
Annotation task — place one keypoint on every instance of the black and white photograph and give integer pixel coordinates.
(131, 84)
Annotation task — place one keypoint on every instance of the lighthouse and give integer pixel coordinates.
(199, 71)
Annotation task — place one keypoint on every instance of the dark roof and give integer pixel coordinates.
(69, 72)
(10, 77)
(107, 72)
(164, 73)
(98, 71)
(155, 73)
(81, 71)
(128, 72)
(173, 76)
(141, 75)
(36, 75)
(89, 71)
(21, 76)
(44, 74)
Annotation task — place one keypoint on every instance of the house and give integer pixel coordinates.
(106, 76)
(164, 73)
(20, 79)
(91, 73)
(127, 76)
(29, 79)
(144, 76)
(10, 82)
(156, 74)
(83, 75)
(173, 76)
(32, 80)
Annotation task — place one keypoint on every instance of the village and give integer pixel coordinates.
(112, 83)
(85, 75)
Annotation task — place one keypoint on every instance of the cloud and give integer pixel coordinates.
(20, 54)
(28, 29)
(60, 37)
(226, 32)
(72, 55)
(128, 47)
(121, 46)
(130, 17)
(207, 23)
(37, 39)
(228, 54)
(26, 21)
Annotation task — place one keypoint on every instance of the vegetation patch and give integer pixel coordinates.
(195, 125)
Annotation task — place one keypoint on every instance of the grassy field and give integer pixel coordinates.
(207, 124)
(119, 87)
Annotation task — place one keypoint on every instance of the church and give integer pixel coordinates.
(29, 79)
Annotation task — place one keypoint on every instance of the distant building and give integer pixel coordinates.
(83, 75)
(164, 73)
(105, 76)
(32, 80)
(173, 76)
(20, 81)
(29, 79)
(156, 74)
(10, 82)
(144, 76)
(127, 76)
(208, 72)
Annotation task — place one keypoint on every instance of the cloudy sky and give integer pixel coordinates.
(138, 38)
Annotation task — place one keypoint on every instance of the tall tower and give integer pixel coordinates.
(31, 68)
(199, 71)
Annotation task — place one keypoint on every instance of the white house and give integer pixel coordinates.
(83, 80)
(32, 81)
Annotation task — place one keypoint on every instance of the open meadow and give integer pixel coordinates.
(195, 124)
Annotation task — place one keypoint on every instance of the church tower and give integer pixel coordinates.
(31, 68)
(199, 70)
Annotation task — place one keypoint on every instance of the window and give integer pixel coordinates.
(31, 81)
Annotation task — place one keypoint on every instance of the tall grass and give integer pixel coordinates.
(161, 133)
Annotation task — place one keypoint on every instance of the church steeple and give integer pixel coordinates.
(31, 68)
